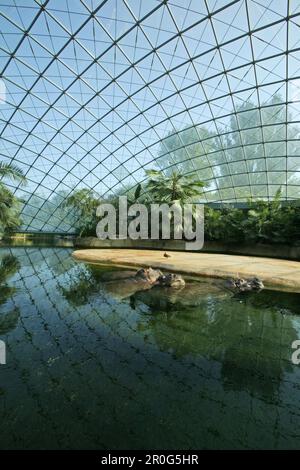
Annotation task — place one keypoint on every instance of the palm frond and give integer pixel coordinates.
(12, 172)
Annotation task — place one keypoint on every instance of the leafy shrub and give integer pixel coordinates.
(262, 222)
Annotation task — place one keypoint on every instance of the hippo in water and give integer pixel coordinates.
(149, 275)
(240, 285)
(156, 277)
(143, 279)
(171, 280)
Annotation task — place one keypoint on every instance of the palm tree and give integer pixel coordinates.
(176, 187)
(9, 203)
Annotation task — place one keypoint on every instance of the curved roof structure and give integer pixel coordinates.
(94, 92)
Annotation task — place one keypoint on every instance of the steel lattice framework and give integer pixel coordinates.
(95, 92)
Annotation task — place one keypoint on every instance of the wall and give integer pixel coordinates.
(269, 251)
(37, 239)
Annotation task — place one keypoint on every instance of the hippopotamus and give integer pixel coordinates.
(156, 277)
(149, 275)
(143, 279)
(240, 285)
(171, 280)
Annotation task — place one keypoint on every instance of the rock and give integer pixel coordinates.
(171, 280)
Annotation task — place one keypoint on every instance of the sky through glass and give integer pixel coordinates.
(96, 92)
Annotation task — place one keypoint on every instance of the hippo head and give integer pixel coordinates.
(257, 284)
(238, 285)
(172, 280)
(148, 274)
(177, 281)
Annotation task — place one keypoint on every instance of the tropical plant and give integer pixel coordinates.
(176, 187)
(133, 193)
(266, 221)
(262, 222)
(9, 204)
(50, 211)
(12, 172)
(83, 204)
(224, 224)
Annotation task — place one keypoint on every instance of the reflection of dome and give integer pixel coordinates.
(227, 332)
(94, 97)
(170, 299)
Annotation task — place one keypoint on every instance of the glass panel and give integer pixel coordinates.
(92, 96)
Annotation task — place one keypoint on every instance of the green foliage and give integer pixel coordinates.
(51, 215)
(176, 187)
(83, 204)
(12, 172)
(10, 205)
(137, 192)
(8, 267)
(265, 221)
(262, 222)
(225, 224)
(134, 195)
(9, 210)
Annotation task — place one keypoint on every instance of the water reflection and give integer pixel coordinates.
(93, 365)
(242, 332)
(205, 320)
(8, 267)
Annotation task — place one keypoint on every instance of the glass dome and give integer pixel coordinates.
(93, 93)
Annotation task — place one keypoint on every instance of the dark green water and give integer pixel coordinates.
(88, 369)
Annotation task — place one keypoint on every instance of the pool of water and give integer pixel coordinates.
(93, 365)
